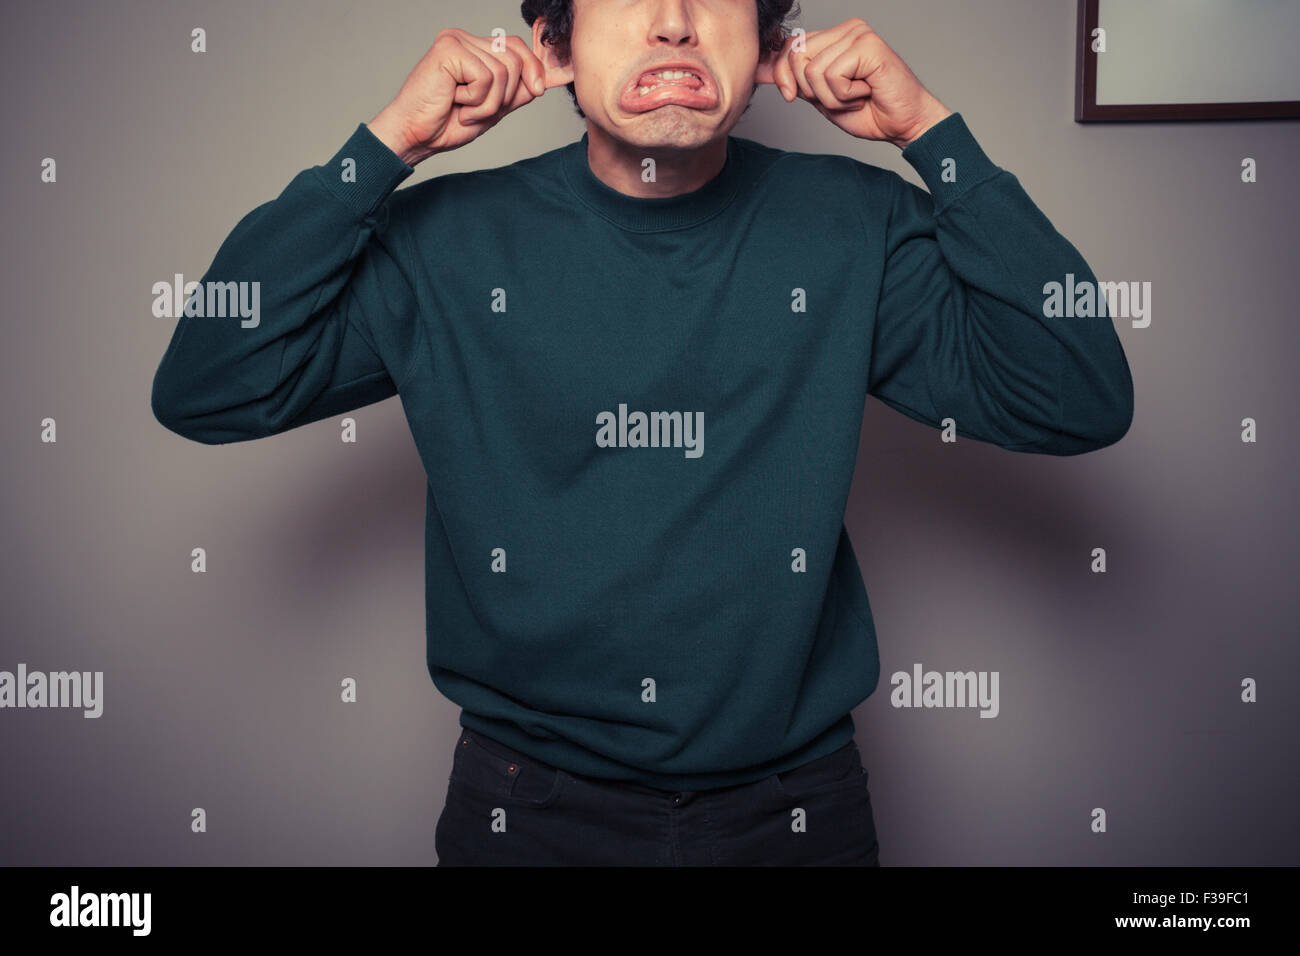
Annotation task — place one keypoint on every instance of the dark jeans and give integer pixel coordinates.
(506, 809)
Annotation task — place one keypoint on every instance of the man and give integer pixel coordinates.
(656, 639)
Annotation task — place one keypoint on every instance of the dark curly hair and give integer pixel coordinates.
(772, 17)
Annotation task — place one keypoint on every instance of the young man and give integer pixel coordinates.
(656, 639)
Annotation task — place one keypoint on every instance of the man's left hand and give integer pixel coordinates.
(856, 81)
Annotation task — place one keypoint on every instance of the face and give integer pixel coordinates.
(664, 73)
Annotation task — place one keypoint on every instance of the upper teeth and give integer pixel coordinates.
(668, 75)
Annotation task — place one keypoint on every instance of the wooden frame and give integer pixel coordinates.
(1086, 108)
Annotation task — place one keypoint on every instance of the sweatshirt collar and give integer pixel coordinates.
(657, 214)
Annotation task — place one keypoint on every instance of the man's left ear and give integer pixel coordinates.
(763, 71)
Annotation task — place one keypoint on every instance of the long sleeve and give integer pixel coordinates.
(960, 330)
(327, 264)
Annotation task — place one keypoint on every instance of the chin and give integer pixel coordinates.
(670, 126)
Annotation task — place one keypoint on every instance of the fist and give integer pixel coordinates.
(460, 88)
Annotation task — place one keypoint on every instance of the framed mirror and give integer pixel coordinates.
(1187, 60)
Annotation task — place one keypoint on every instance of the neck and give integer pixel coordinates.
(620, 165)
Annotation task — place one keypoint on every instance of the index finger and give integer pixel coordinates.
(524, 70)
(534, 71)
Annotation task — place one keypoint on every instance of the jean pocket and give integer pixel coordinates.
(839, 770)
(488, 768)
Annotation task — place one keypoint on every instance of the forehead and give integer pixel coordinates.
(626, 9)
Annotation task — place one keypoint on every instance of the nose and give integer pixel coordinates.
(672, 23)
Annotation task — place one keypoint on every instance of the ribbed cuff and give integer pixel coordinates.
(949, 139)
(378, 171)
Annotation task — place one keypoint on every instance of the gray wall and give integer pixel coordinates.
(1117, 690)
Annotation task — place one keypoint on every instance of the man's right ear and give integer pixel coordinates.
(558, 72)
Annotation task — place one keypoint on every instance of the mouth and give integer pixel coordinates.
(677, 84)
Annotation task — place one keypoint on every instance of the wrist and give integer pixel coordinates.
(934, 115)
(391, 133)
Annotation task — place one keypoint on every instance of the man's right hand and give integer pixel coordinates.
(460, 89)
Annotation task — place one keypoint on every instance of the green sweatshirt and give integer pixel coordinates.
(639, 418)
